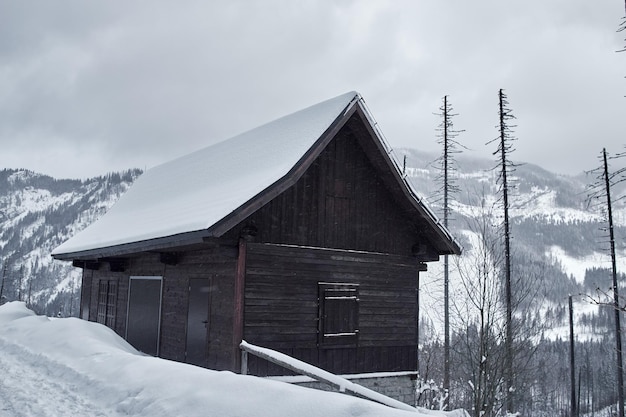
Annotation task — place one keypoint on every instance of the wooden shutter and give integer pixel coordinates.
(338, 314)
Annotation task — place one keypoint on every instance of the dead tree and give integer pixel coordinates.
(572, 363)
(4, 273)
(622, 28)
(446, 164)
(601, 190)
(505, 141)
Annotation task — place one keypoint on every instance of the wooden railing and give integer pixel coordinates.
(316, 373)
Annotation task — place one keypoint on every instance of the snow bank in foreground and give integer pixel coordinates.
(73, 367)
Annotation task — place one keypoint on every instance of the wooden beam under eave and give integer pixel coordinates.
(424, 253)
(169, 258)
(117, 264)
(90, 265)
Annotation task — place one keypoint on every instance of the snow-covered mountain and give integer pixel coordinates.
(552, 225)
(547, 209)
(557, 233)
(37, 213)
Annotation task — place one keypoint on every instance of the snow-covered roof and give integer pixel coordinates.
(194, 193)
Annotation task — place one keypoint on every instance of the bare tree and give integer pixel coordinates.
(480, 319)
(601, 190)
(505, 166)
(4, 273)
(446, 164)
(622, 28)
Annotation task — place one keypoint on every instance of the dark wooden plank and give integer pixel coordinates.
(308, 213)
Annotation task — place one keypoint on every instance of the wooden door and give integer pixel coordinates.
(198, 321)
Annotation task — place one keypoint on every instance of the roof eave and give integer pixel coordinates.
(125, 249)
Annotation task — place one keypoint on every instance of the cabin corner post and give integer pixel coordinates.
(421, 267)
(85, 293)
(238, 304)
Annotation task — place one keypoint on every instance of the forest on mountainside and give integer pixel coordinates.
(38, 213)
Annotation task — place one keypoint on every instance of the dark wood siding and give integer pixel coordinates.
(339, 202)
(216, 264)
(120, 279)
(85, 294)
(345, 202)
(281, 307)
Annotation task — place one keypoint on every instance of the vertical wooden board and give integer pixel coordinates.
(175, 301)
(348, 361)
(321, 199)
(85, 293)
(221, 330)
(289, 209)
(93, 304)
(122, 305)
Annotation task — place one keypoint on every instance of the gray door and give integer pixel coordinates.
(144, 314)
(198, 321)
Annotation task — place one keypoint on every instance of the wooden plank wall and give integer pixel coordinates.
(105, 273)
(217, 265)
(339, 202)
(281, 309)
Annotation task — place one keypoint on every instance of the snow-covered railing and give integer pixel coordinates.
(316, 373)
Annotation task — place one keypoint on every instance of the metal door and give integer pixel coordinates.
(198, 321)
(143, 324)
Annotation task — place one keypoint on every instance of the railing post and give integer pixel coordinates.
(244, 362)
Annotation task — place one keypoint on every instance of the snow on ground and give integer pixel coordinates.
(541, 202)
(580, 307)
(71, 367)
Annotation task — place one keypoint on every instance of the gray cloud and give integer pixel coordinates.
(90, 87)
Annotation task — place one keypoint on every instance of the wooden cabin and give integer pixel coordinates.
(301, 236)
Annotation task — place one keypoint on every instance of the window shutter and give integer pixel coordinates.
(339, 314)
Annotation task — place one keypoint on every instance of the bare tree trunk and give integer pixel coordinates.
(507, 257)
(446, 304)
(574, 407)
(448, 188)
(618, 329)
(4, 273)
(417, 323)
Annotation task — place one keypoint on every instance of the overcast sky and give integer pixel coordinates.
(89, 87)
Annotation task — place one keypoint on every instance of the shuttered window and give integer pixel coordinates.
(338, 314)
(107, 301)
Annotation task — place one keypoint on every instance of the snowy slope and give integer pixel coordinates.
(70, 367)
(552, 225)
(37, 213)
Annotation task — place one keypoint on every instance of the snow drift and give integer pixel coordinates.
(73, 367)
